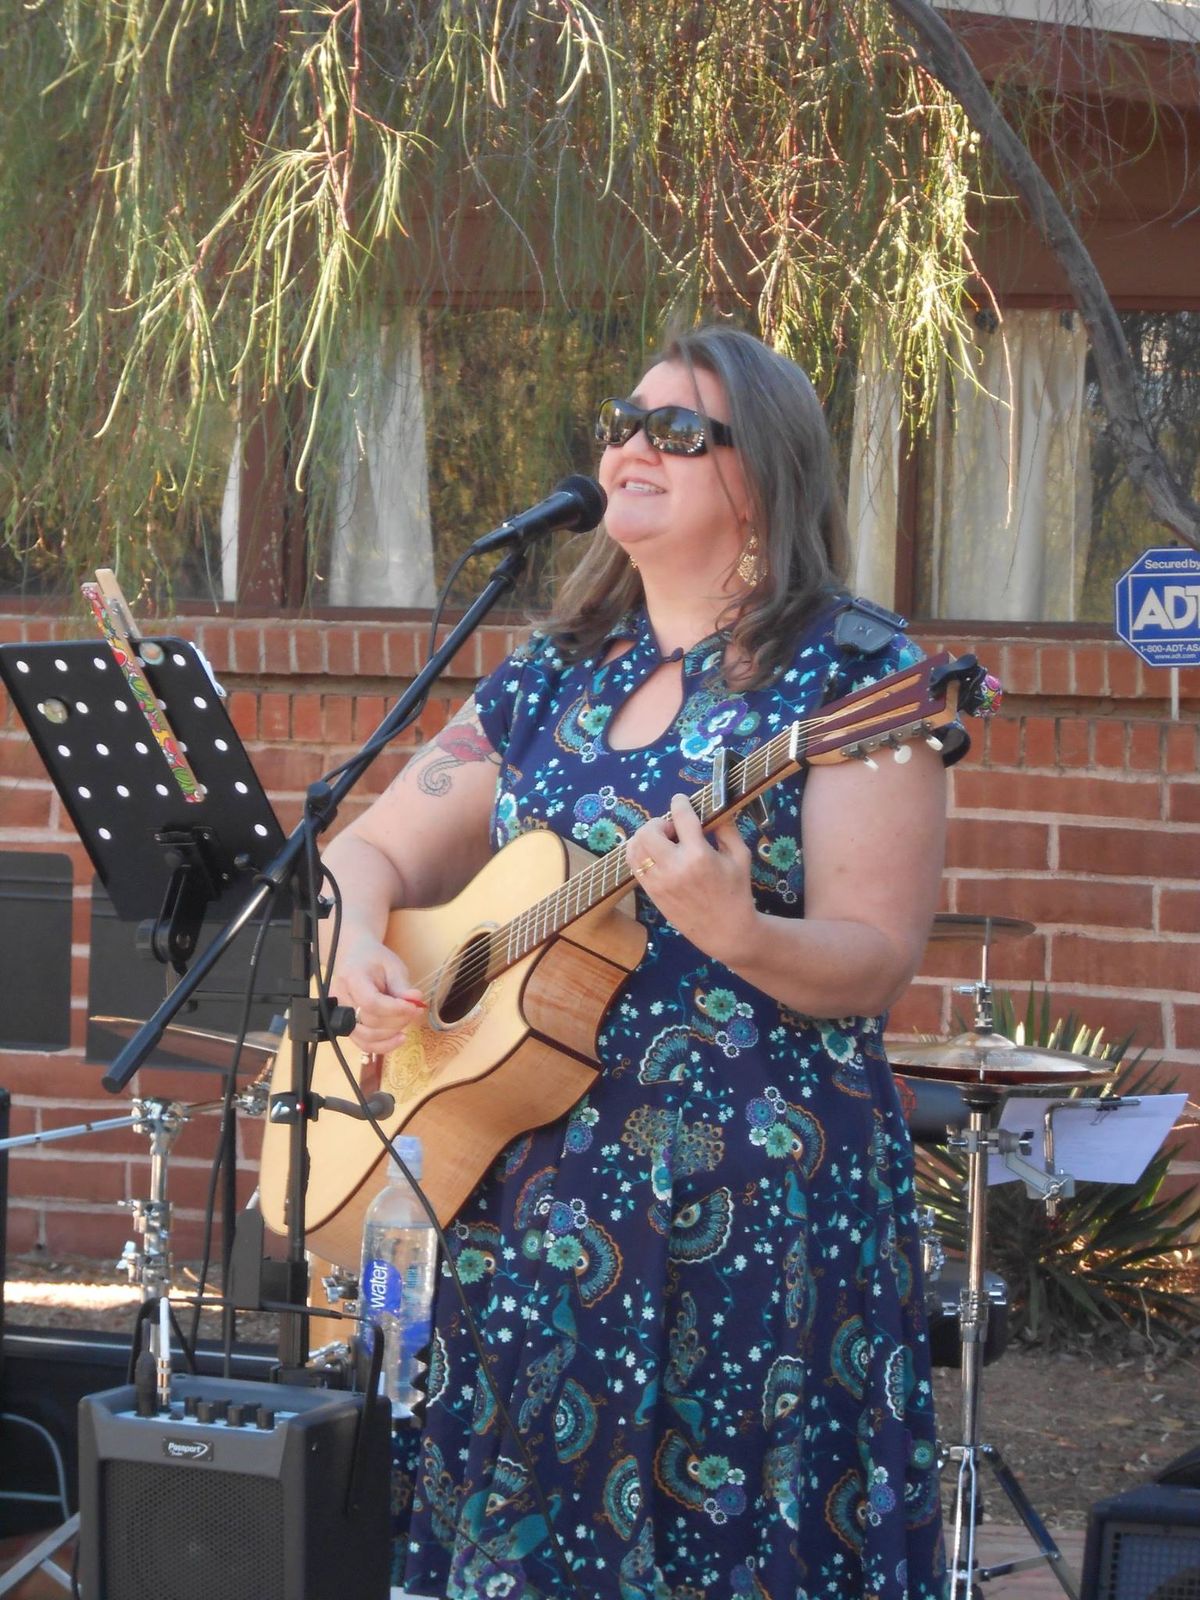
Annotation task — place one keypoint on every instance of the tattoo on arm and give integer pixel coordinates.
(460, 741)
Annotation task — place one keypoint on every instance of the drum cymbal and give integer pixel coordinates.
(963, 925)
(990, 1058)
(200, 1047)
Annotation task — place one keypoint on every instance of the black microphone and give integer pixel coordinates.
(577, 503)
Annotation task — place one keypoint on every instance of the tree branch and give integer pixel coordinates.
(946, 58)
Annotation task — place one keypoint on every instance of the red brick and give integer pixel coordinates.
(921, 1009)
(1059, 900)
(1126, 680)
(1073, 742)
(243, 713)
(1180, 748)
(308, 647)
(338, 718)
(24, 1232)
(1001, 844)
(19, 758)
(274, 715)
(287, 769)
(1153, 964)
(1118, 1016)
(277, 649)
(1145, 746)
(1054, 668)
(246, 648)
(369, 712)
(1091, 670)
(59, 1177)
(98, 1234)
(307, 720)
(1187, 1026)
(1108, 743)
(1179, 911)
(1068, 796)
(341, 649)
(404, 650)
(1039, 742)
(1183, 802)
(495, 645)
(372, 662)
(1129, 852)
(1019, 669)
(1012, 960)
(26, 806)
(1002, 742)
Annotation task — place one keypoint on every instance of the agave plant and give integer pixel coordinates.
(1115, 1256)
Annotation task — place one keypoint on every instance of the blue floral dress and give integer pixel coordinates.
(700, 1293)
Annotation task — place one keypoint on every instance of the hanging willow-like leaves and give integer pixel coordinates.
(217, 202)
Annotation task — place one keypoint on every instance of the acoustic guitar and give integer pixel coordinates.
(520, 968)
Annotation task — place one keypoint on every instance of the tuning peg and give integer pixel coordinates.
(902, 753)
(858, 752)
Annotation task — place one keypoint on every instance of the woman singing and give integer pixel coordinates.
(700, 1291)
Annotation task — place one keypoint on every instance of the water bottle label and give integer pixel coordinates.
(382, 1289)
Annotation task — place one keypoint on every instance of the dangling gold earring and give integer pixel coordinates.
(749, 566)
(633, 563)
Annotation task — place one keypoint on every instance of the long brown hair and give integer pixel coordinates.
(787, 458)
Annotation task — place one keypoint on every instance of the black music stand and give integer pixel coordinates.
(161, 858)
(165, 861)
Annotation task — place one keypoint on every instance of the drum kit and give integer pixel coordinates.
(984, 1066)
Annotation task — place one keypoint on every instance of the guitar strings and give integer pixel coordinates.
(538, 922)
(590, 885)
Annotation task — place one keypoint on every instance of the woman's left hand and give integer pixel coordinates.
(700, 882)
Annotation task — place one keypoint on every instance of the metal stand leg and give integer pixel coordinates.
(40, 1556)
(965, 1572)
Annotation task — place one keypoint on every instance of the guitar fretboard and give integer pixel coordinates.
(588, 888)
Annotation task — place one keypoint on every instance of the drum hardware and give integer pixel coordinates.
(986, 1065)
(933, 1251)
(149, 1268)
(951, 925)
(202, 1049)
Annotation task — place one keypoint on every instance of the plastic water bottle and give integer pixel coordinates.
(399, 1262)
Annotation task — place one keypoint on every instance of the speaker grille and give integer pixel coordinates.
(190, 1534)
(1144, 1562)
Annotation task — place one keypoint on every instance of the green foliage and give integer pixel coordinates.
(1117, 1256)
(217, 206)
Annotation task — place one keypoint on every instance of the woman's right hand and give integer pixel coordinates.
(374, 980)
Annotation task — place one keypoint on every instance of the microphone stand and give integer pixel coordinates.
(320, 809)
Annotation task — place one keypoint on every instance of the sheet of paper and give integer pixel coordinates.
(1113, 1146)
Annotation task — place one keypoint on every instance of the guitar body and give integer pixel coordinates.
(521, 967)
(492, 1059)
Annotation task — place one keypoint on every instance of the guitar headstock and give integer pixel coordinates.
(911, 704)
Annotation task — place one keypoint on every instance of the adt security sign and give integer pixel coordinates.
(1158, 607)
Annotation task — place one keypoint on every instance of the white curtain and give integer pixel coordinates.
(871, 505)
(1006, 502)
(1011, 507)
(382, 545)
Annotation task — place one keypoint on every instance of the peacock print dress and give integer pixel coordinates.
(699, 1293)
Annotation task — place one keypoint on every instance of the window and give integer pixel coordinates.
(1022, 508)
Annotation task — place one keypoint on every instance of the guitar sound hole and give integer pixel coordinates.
(468, 980)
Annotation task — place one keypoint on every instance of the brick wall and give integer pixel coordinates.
(1078, 810)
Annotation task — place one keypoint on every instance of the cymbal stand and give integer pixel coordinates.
(980, 1140)
(150, 1268)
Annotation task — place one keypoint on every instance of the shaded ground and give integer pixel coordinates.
(1073, 1428)
(1076, 1429)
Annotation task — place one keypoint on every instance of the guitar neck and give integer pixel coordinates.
(913, 702)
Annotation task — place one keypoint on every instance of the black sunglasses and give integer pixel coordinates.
(675, 430)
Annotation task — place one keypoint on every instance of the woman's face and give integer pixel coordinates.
(691, 513)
